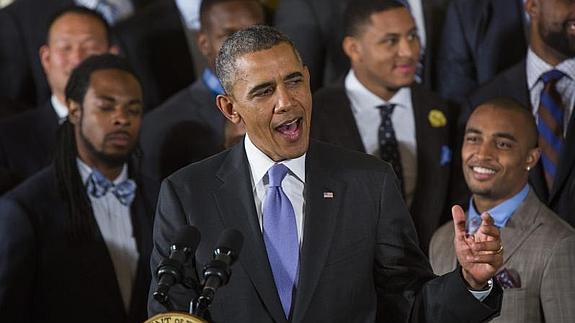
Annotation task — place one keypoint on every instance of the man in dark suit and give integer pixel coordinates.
(551, 52)
(189, 127)
(76, 237)
(27, 139)
(316, 26)
(480, 39)
(383, 48)
(23, 29)
(331, 239)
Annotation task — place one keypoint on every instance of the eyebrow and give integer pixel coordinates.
(259, 87)
(505, 135)
(293, 75)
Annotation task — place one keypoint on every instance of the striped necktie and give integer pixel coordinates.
(551, 114)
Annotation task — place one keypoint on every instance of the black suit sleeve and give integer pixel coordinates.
(17, 262)
(169, 218)
(456, 73)
(406, 287)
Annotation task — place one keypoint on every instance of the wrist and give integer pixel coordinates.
(475, 285)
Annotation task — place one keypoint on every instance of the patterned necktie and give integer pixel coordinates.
(388, 147)
(280, 236)
(550, 125)
(98, 186)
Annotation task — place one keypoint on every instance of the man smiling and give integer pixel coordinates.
(327, 235)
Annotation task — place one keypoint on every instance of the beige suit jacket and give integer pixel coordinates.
(541, 248)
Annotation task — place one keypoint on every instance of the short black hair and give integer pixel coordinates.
(79, 81)
(510, 104)
(248, 40)
(207, 5)
(79, 10)
(358, 13)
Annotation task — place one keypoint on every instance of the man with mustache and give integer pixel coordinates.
(499, 149)
(545, 83)
(75, 238)
(380, 110)
(327, 237)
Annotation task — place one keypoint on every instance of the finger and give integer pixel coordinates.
(489, 247)
(458, 221)
(487, 219)
(490, 259)
(490, 231)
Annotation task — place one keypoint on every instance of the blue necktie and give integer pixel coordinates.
(280, 236)
(550, 125)
(388, 146)
(98, 186)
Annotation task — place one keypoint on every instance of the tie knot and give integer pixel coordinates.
(386, 109)
(99, 185)
(276, 174)
(552, 75)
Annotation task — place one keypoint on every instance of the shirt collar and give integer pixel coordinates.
(86, 171)
(536, 66)
(361, 98)
(502, 212)
(211, 81)
(190, 12)
(59, 107)
(260, 163)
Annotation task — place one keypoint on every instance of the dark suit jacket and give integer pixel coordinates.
(359, 256)
(480, 39)
(155, 43)
(439, 184)
(23, 30)
(26, 144)
(46, 278)
(316, 28)
(185, 129)
(513, 83)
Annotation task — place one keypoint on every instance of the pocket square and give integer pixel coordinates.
(508, 278)
(445, 157)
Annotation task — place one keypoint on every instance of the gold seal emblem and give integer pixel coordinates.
(437, 118)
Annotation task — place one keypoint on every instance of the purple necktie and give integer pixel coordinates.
(280, 236)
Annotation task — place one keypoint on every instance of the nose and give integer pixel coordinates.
(284, 99)
(485, 150)
(76, 57)
(408, 47)
(122, 117)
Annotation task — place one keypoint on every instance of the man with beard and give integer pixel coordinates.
(545, 82)
(75, 238)
(501, 135)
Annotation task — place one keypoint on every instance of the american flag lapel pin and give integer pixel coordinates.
(327, 195)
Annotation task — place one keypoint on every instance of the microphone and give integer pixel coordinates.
(170, 270)
(217, 272)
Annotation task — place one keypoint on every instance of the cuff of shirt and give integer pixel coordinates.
(481, 295)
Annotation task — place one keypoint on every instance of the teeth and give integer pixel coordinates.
(482, 170)
(290, 123)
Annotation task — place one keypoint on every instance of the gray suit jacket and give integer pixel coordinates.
(540, 247)
(359, 257)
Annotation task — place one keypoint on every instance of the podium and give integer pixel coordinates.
(175, 317)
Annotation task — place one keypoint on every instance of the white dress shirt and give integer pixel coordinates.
(115, 223)
(190, 12)
(368, 119)
(59, 107)
(565, 86)
(293, 184)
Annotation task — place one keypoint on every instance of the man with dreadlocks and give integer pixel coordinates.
(75, 238)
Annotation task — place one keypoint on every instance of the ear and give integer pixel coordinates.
(203, 43)
(533, 157)
(226, 106)
(532, 8)
(74, 112)
(351, 48)
(44, 54)
(114, 49)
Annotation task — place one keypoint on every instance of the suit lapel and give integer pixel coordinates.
(520, 225)
(236, 207)
(320, 220)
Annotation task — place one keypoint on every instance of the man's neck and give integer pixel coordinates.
(546, 53)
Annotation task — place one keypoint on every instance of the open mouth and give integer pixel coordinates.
(291, 129)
